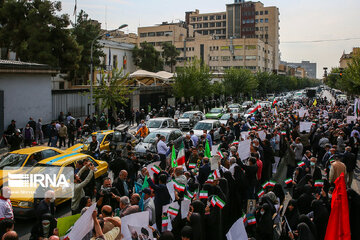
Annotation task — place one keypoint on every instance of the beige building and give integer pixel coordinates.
(346, 58)
(246, 35)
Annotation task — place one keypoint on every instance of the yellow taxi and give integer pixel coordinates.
(25, 157)
(104, 137)
(23, 207)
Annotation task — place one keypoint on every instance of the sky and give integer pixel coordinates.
(300, 20)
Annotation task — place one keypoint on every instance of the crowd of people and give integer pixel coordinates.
(281, 185)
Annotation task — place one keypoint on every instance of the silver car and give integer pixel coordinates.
(188, 120)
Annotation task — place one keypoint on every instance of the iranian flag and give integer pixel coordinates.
(192, 165)
(217, 174)
(190, 194)
(255, 109)
(274, 103)
(181, 155)
(187, 197)
(173, 211)
(244, 218)
(219, 202)
(210, 179)
(165, 221)
(271, 183)
(265, 185)
(173, 158)
(260, 193)
(235, 142)
(288, 181)
(156, 169)
(283, 132)
(213, 201)
(357, 107)
(221, 154)
(301, 164)
(252, 220)
(178, 186)
(203, 194)
(319, 183)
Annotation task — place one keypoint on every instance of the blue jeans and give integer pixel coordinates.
(53, 141)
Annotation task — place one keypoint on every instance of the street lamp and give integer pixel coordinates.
(92, 62)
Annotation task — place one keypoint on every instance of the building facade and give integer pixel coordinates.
(246, 35)
(347, 58)
(309, 67)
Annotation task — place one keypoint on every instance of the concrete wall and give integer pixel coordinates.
(26, 95)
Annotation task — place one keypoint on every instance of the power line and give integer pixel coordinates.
(325, 40)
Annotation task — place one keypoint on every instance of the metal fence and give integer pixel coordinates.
(77, 102)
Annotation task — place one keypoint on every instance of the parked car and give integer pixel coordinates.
(234, 105)
(148, 144)
(104, 138)
(215, 113)
(224, 118)
(208, 125)
(247, 104)
(187, 120)
(161, 122)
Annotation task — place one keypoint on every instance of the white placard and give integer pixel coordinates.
(244, 135)
(303, 113)
(214, 162)
(173, 205)
(185, 206)
(136, 219)
(305, 126)
(171, 189)
(83, 225)
(244, 149)
(350, 119)
(237, 231)
(275, 165)
(262, 135)
(143, 232)
(151, 172)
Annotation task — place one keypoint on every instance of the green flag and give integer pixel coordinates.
(173, 158)
(145, 184)
(207, 152)
(65, 223)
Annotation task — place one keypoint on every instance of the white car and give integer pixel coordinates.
(161, 122)
(224, 118)
(265, 104)
(208, 125)
(187, 119)
(246, 104)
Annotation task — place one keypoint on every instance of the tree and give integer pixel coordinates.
(238, 81)
(170, 54)
(85, 31)
(112, 92)
(147, 58)
(217, 88)
(351, 77)
(193, 80)
(34, 31)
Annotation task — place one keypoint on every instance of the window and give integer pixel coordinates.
(266, 12)
(193, 19)
(199, 25)
(159, 34)
(206, 18)
(237, 58)
(199, 18)
(244, 21)
(261, 20)
(218, 17)
(224, 16)
(238, 47)
(224, 24)
(218, 24)
(250, 47)
(256, 13)
(115, 61)
(261, 29)
(266, 28)
(169, 33)
(261, 12)
(199, 31)
(256, 20)
(206, 25)
(218, 31)
(256, 29)
(206, 32)
(250, 57)
(225, 58)
(143, 34)
(151, 34)
(48, 153)
(212, 32)
(266, 20)
(212, 17)
(212, 25)
(223, 48)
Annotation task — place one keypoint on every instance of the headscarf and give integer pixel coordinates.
(304, 232)
(167, 236)
(196, 225)
(187, 232)
(199, 207)
(279, 192)
(305, 219)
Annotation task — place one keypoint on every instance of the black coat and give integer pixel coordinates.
(349, 160)
(204, 172)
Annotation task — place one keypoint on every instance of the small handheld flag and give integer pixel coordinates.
(288, 181)
(251, 220)
(219, 202)
(192, 165)
(165, 221)
(173, 158)
(156, 169)
(178, 186)
(260, 193)
(203, 195)
(319, 183)
(173, 211)
(301, 164)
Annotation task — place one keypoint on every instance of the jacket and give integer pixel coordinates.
(336, 169)
(79, 189)
(63, 132)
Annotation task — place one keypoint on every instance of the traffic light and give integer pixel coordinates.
(341, 72)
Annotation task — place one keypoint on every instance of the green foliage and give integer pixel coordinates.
(85, 31)
(170, 54)
(193, 80)
(36, 33)
(218, 88)
(112, 92)
(147, 58)
(238, 81)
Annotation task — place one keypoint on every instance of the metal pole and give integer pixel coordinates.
(91, 78)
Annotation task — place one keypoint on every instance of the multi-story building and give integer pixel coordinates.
(246, 35)
(310, 68)
(347, 58)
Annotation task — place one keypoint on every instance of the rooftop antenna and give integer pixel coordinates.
(106, 17)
